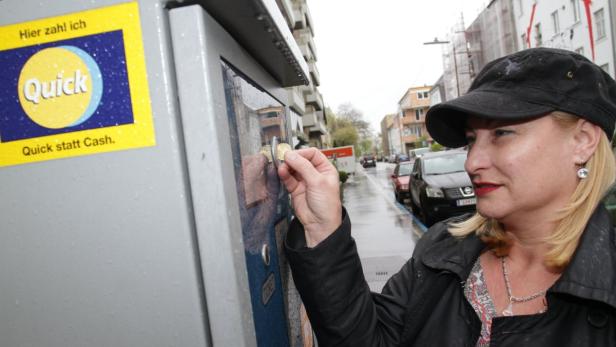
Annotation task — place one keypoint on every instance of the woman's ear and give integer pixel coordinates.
(587, 136)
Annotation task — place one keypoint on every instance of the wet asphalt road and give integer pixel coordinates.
(385, 231)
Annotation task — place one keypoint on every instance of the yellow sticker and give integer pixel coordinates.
(73, 85)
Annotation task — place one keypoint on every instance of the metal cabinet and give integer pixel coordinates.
(143, 213)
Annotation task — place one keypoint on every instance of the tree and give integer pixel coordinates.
(421, 142)
(356, 117)
(365, 146)
(345, 136)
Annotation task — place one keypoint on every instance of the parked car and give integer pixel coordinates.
(402, 157)
(400, 180)
(368, 161)
(418, 152)
(439, 186)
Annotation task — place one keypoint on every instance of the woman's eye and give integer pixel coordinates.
(502, 132)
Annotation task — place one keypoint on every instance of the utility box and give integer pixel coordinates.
(139, 206)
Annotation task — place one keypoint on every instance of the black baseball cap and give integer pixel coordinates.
(525, 85)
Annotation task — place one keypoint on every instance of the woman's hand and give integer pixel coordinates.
(314, 186)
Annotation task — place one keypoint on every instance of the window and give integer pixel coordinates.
(419, 95)
(412, 130)
(407, 131)
(580, 51)
(426, 95)
(538, 40)
(555, 23)
(418, 113)
(575, 6)
(600, 24)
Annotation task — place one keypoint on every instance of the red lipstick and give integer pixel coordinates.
(483, 188)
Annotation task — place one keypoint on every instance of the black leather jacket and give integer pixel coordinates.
(424, 303)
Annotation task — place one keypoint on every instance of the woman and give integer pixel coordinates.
(536, 266)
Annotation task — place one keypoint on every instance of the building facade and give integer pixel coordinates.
(386, 124)
(491, 35)
(437, 93)
(307, 118)
(412, 112)
(508, 26)
(582, 26)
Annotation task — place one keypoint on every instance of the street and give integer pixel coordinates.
(384, 230)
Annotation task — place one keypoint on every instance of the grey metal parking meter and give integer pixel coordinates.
(139, 206)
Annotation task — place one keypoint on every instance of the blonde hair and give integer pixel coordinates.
(572, 219)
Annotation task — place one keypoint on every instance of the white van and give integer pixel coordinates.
(418, 152)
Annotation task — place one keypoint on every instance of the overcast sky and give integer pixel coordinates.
(370, 52)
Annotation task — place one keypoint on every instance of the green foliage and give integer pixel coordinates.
(343, 176)
(365, 146)
(421, 142)
(347, 128)
(435, 147)
(345, 136)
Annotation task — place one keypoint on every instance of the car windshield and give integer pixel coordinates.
(444, 164)
(405, 169)
(419, 151)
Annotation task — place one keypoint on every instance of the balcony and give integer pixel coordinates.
(310, 117)
(313, 121)
(319, 128)
(288, 11)
(314, 73)
(315, 99)
(411, 120)
(304, 40)
(298, 16)
(410, 139)
(296, 99)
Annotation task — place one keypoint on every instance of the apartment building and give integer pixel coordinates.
(582, 26)
(412, 111)
(386, 124)
(491, 35)
(307, 118)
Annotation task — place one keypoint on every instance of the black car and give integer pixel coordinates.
(368, 161)
(439, 186)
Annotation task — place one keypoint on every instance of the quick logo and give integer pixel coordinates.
(60, 87)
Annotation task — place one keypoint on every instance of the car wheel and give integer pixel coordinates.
(398, 199)
(414, 208)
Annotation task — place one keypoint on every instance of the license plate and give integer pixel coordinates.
(466, 202)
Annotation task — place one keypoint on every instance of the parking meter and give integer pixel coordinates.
(138, 205)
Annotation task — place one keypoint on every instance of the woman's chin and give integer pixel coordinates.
(490, 212)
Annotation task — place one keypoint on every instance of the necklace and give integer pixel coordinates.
(515, 299)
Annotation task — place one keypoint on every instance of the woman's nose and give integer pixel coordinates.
(477, 158)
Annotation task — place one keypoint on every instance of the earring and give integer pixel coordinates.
(582, 172)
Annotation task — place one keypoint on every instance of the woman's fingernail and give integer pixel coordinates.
(291, 156)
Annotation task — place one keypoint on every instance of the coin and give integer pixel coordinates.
(267, 152)
(282, 149)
